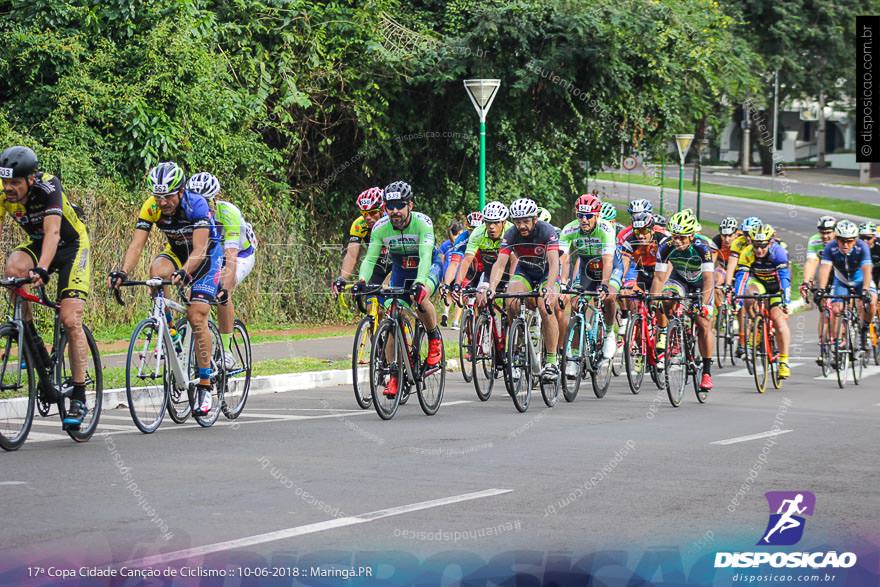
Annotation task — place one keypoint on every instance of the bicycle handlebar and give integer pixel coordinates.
(153, 282)
(18, 282)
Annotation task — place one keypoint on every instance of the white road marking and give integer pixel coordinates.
(866, 372)
(758, 436)
(249, 541)
(745, 372)
(13, 482)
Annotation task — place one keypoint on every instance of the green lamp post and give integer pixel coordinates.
(482, 93)
(683, 143)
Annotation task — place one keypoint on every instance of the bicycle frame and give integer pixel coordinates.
(648, 328)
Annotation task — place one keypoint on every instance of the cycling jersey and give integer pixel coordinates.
(480, 245)
(723, 250)
(875, 259)
(457, 250)
(689, 264)
(589, 247)
(815, 246)
(847, 268)
(191, 214)
(738, 244)
(235, 233)
(531, 250)
(411, 250)
(771, 271)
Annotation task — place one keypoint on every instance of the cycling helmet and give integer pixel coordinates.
(642, 205)
(762, 233)
(165, 178)
(398, 191)
(660, 220)
(846, 229)
(523, 208)
(727, 226)
(826, 223)
(749, 223)
(642, 220)
(609, 212)
(369, 199)
(18, 162)
(588, 203)
(474, 219)
(495, 212)
(867, 229)
(684, 223)
(544, 215)
(204, 184)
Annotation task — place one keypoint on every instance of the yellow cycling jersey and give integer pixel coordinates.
(360, 231)
(738, 245)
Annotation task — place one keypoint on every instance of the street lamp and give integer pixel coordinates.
(701, 146)
(482, 93)
(683, 143)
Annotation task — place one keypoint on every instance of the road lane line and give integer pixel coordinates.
(866, 372)
(758, 436)
(249, 541)
(745, 372)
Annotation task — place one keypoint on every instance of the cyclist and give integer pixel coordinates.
(456, 254)
(590, 243)
(684, 266)
(536, 246)
(763, 269)
(637, 207)
(239, 246)
(609, 215)
(193, 256)
(415, 264)
(736, 246)
(639, 252)
(815, 245)
(58, 242)
(560, 310)
(868, 234)
(483, 245)
(850, 261)
(452, 231)
(727, 232)
(369, 203)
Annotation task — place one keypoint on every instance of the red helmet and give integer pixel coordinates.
(588, 203)
(474, 219)
(370, 199)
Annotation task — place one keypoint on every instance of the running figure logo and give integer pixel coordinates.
(787, 508)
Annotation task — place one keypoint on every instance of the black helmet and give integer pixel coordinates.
(18, 162)
(398, 191)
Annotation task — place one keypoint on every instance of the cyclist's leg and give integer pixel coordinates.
(206, 282)
(837, 304)
(720, 279)
(73, 263)
(549, 327)
(20, 261)
(783, 333)
(705, 333)
(226, 312)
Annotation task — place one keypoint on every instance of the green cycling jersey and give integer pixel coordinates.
(602, 240)
(237, 234)
(488, 248)
(409, 248)
(815, 246)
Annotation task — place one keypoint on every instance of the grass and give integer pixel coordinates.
(842, 207)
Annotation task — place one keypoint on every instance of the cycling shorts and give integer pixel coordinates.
(72, 262)
(205, 279)
(682, 288)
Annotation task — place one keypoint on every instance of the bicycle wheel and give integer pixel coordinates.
(574, 354)
(841, 352)
(430, 381)
(18, 387)
(855, 347)
(721, 334)
(483, 358)
(824, 350)
(617, 361)
(519, 364)
(218, 375)
(634, 352)
(465, 351)
(94, 380)
(675, 362)
(774, 364)
(747, 357)
(144, 377)
(600, 375)
(759, 353)
(732, 336)
(549, 388)
(381, 368)
(695, 366)
(360, 355)
(875, 339)
(238, 378)
(178, 406)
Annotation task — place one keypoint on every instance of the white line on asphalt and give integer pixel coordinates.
(249, 541)
(745, 372)
(750, 437)
(866, 372)
(13, 482)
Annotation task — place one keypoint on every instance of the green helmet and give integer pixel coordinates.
(544, 214)
(165, 178)
(684, 223)
(609, 212)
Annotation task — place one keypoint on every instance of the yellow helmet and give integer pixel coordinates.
(684, 223)
(762, 233)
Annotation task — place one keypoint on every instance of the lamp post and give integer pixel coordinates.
(682, 143)
(482, 93)
(701, 146)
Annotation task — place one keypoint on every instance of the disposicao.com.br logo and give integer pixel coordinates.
(785, 528)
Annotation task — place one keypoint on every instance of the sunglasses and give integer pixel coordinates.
(868, 237)
(761, 245)
(395, 205)
(368, 213)
(680, 237)
(586, 215)
(846, 241)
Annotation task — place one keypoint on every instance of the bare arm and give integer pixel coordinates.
(352, 252)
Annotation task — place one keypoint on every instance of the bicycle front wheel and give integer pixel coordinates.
(519, 364)
(855, 345)
(675, 362)
(601, 373)
(94, 380)
(573, 355)
(841, 352)
(465, 344)
(430, 381)
(144, 377)
(759, 353)
(483, 357)
(634, 347)
(385, 363)
(218, 375)
(721, 334)
(238, 377)
(18, 388)
(178, 406)
(360, 356)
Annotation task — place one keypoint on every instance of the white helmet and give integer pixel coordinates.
(544, 214)
(826, 222)
(204, 184)
(846, 229)
(523, 208)
(728, 225)
(495, 212)
(642, 205)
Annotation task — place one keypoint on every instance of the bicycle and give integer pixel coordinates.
(583, 345)
(825, 354)
(640, 344)
(488, 355)
(765, 354)
(846, 344)
(726, 332)
(682, 358)
(237, 380)
(159, 371)
(23, 353)
(466, 336)
(524, 359)
(408, 359)
(363, 341)
(874, 337)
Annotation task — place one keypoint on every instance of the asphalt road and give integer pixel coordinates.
(334, 483)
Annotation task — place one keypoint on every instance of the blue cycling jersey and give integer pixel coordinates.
(847, 268)
(456, 251)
